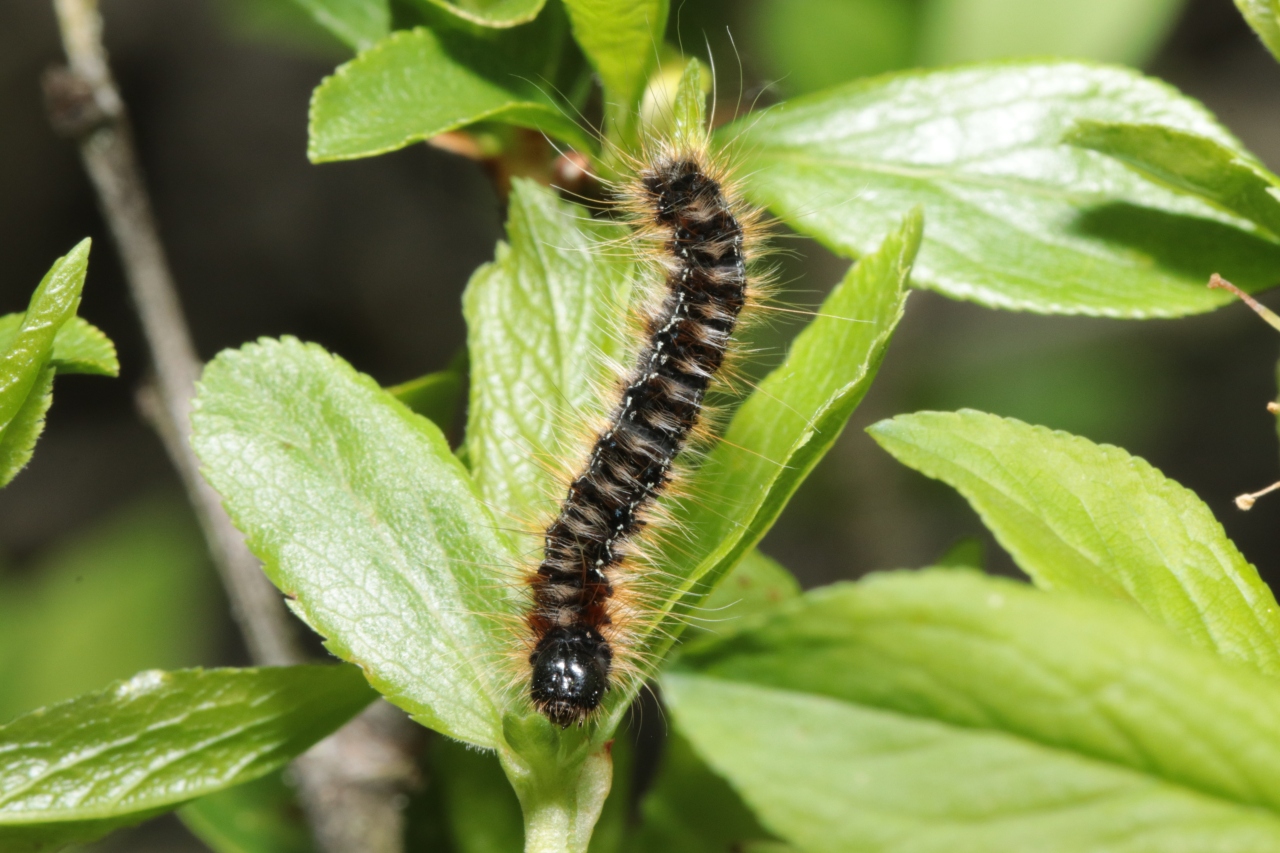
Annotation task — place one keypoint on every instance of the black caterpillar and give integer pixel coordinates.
(684, 210)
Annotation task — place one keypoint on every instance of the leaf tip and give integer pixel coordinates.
(74, 263)
(81, 249)
(912, 232)
(883, 430)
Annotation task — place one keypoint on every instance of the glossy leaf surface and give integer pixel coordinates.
(950, 711)
(544, 318)
(1091, 518)
(1192, 164)
(387, 552)
(18, 439)
(1017, 219)
(30, 346)
(78, 347)
(489, 13)
(76, 770)
(623, 41)
(36, 345)
(416, 84)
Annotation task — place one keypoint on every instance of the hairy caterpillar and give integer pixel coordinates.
(702, 238)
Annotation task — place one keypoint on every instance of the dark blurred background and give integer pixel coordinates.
(101, 570)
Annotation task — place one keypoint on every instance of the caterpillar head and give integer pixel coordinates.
(570, 674)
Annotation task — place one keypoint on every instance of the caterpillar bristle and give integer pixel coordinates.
(596, 587)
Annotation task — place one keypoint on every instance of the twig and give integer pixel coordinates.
(84, 103)
(1247, 501)
(351, 781)
(1217, 282)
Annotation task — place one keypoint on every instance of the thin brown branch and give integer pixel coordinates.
(84, 103)
(352, 782)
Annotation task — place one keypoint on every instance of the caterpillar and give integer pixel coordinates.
(702, 238)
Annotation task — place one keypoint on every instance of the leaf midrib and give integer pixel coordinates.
(978, 280)
(382, 529)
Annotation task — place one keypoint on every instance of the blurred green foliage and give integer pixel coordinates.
(279, 23)
(808, 45)
(1104, 389)
(1126, 31)
(132, 592)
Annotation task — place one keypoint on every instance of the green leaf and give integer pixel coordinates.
(357, 23)
(72, 772)
(46, 339)
(689, 110)
(950, 711)
(361, 514)
(30, 346)
(673, 112)
(490, 13)
(416, 84)
(966, 552)
(18, 439)
(360, 511)
(1124, 31)
(783, 429)
(758, 583)
(543, 321)
(132, 592)
(366, 521)
(435, 396)
(1187, 162)
(78, 347)
(622, 41)
(258, 817)
(1017, 219)
(1264, 17)
(1091, 518)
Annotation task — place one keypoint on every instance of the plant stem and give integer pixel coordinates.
(350, 782)
(546, 830)
(1217, 282)
(561, 793)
